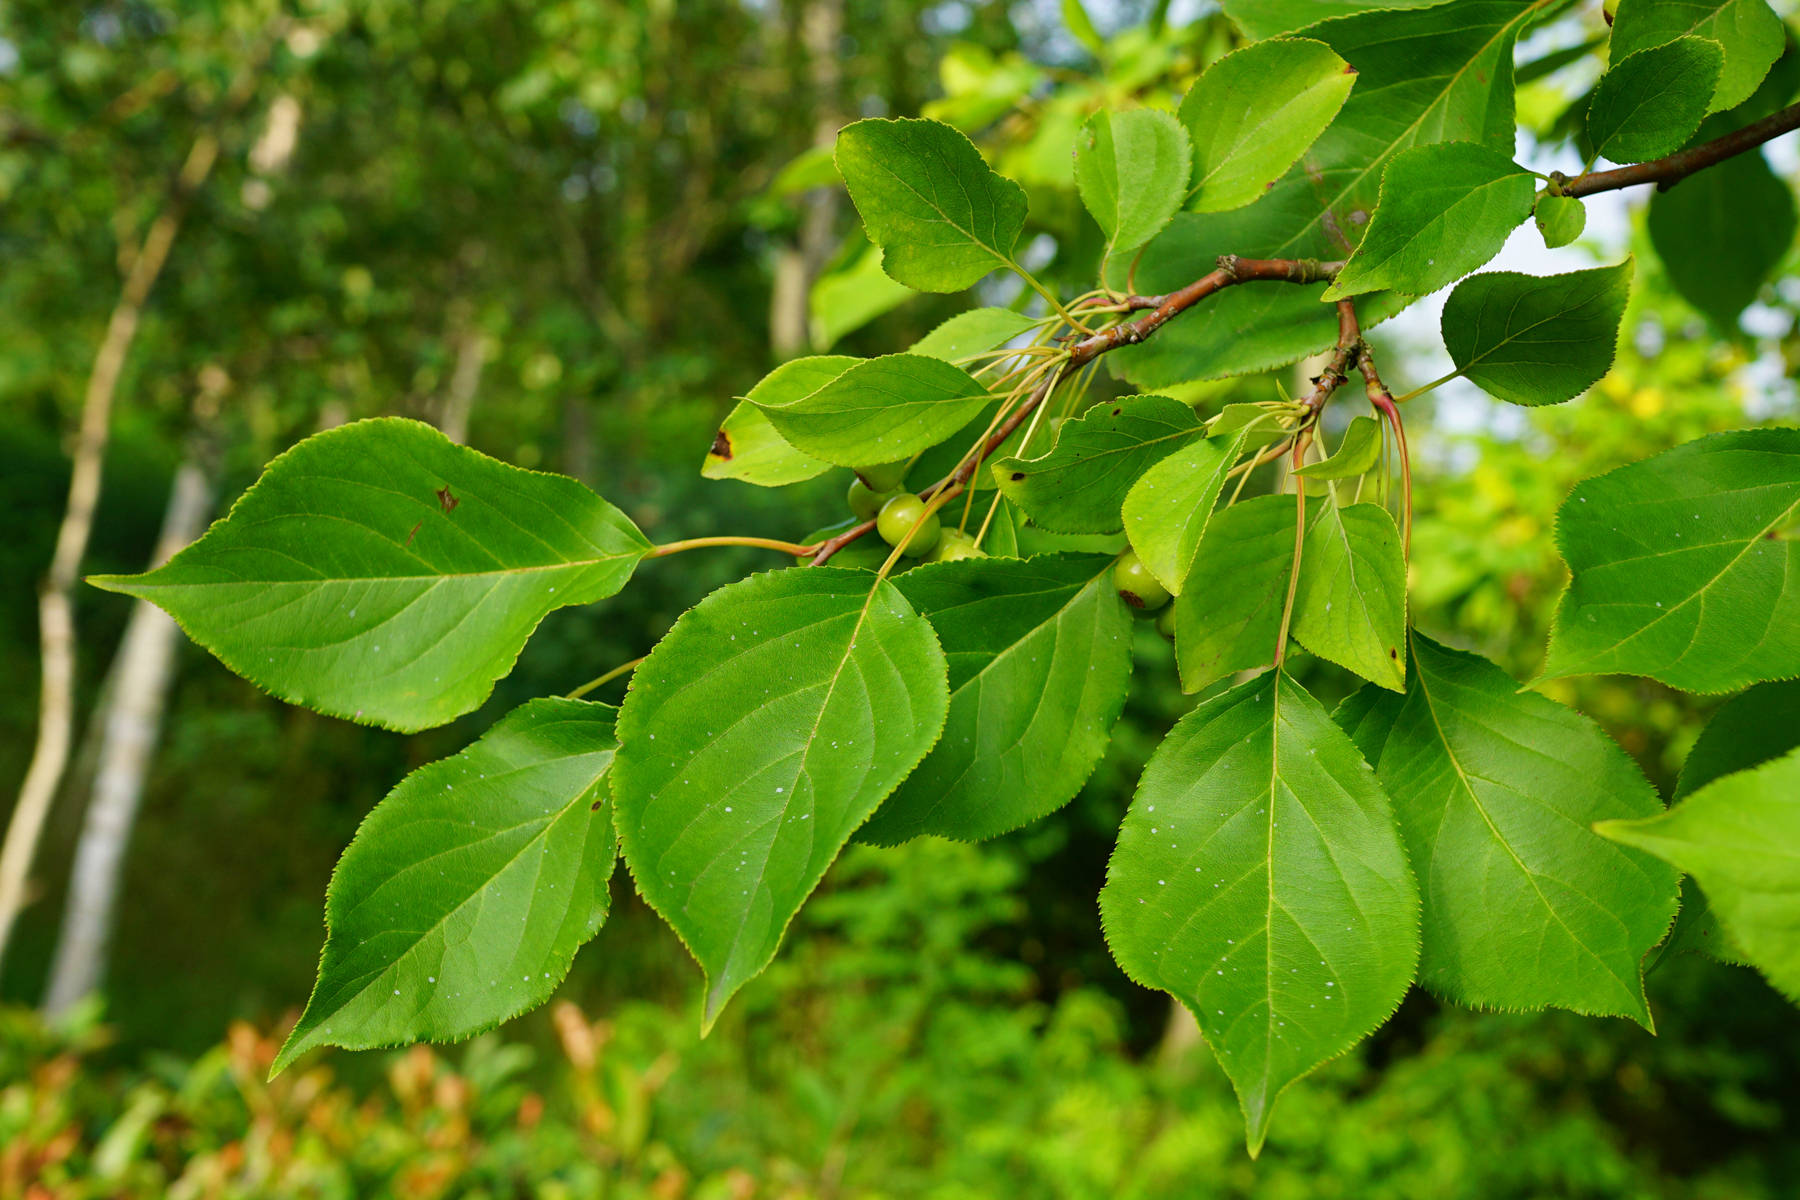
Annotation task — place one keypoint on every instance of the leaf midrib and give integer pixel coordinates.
(1509, 339)
(1236, 149)
(361, 985)
(715, 1001)
(137, 586)
(933, 203)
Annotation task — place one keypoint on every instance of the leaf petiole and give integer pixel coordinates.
(700, 543)
(602, 680)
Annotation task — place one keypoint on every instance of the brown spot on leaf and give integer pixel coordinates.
(1393, 653)
(1117, 411)
(1349, 70)
(446, 501)
(721, 447)
(595, 806)
(1018, 475)
(414, 533)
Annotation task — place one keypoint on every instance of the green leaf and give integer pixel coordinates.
(769, 723)
(811, 168)
(1167, 509)
(1259, 880)
(1496, 790)
(1748, 31)
(941, 216)
(1722, 234)
(1367, 715)
(1269, 18)
(1254, 113)
(1350, 606)
(1423, 76)
(380, 572)
(1534, 339)
(1040, 661)
(1081, 484)
(1228, 614)
(1678, 570)
(1002, 540)
(844, 300)
(1356, 455)
(1445, 210)
(1131, 169)
(1748, 730)
(879, 410)
(973, 332)
(1650, 102)
(1739, 836)
(1560, 219)
(1257, 420)
(467, 891)
(1081, 27)
(747, 447)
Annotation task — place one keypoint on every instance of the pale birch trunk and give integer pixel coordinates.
(796, 266)
(142, 676)
(56, 615)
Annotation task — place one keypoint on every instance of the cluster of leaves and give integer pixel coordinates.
(1285, 872)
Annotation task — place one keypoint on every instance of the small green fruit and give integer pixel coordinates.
(1137, 586)
(954, 545)
(896, 521)
(866, 502)
(884, 477)
(1165, 622)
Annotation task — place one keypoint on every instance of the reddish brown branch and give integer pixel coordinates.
(1161, 310)
(832, 545)
(1349, 347)
(1666, 172)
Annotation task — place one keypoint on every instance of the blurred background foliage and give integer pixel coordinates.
(575, 229)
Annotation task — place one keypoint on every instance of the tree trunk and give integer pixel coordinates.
(56, 616)
(142, 675)
(796, 266)
(465, 382)
(578, 440)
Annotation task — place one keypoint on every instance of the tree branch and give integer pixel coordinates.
(1666, 172)
(1158, 311)
(1337, 366)
(1161, 310)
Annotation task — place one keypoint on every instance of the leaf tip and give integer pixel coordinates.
(1256, 1128)
(297, 1044)
(125, 585)
(717, 995)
